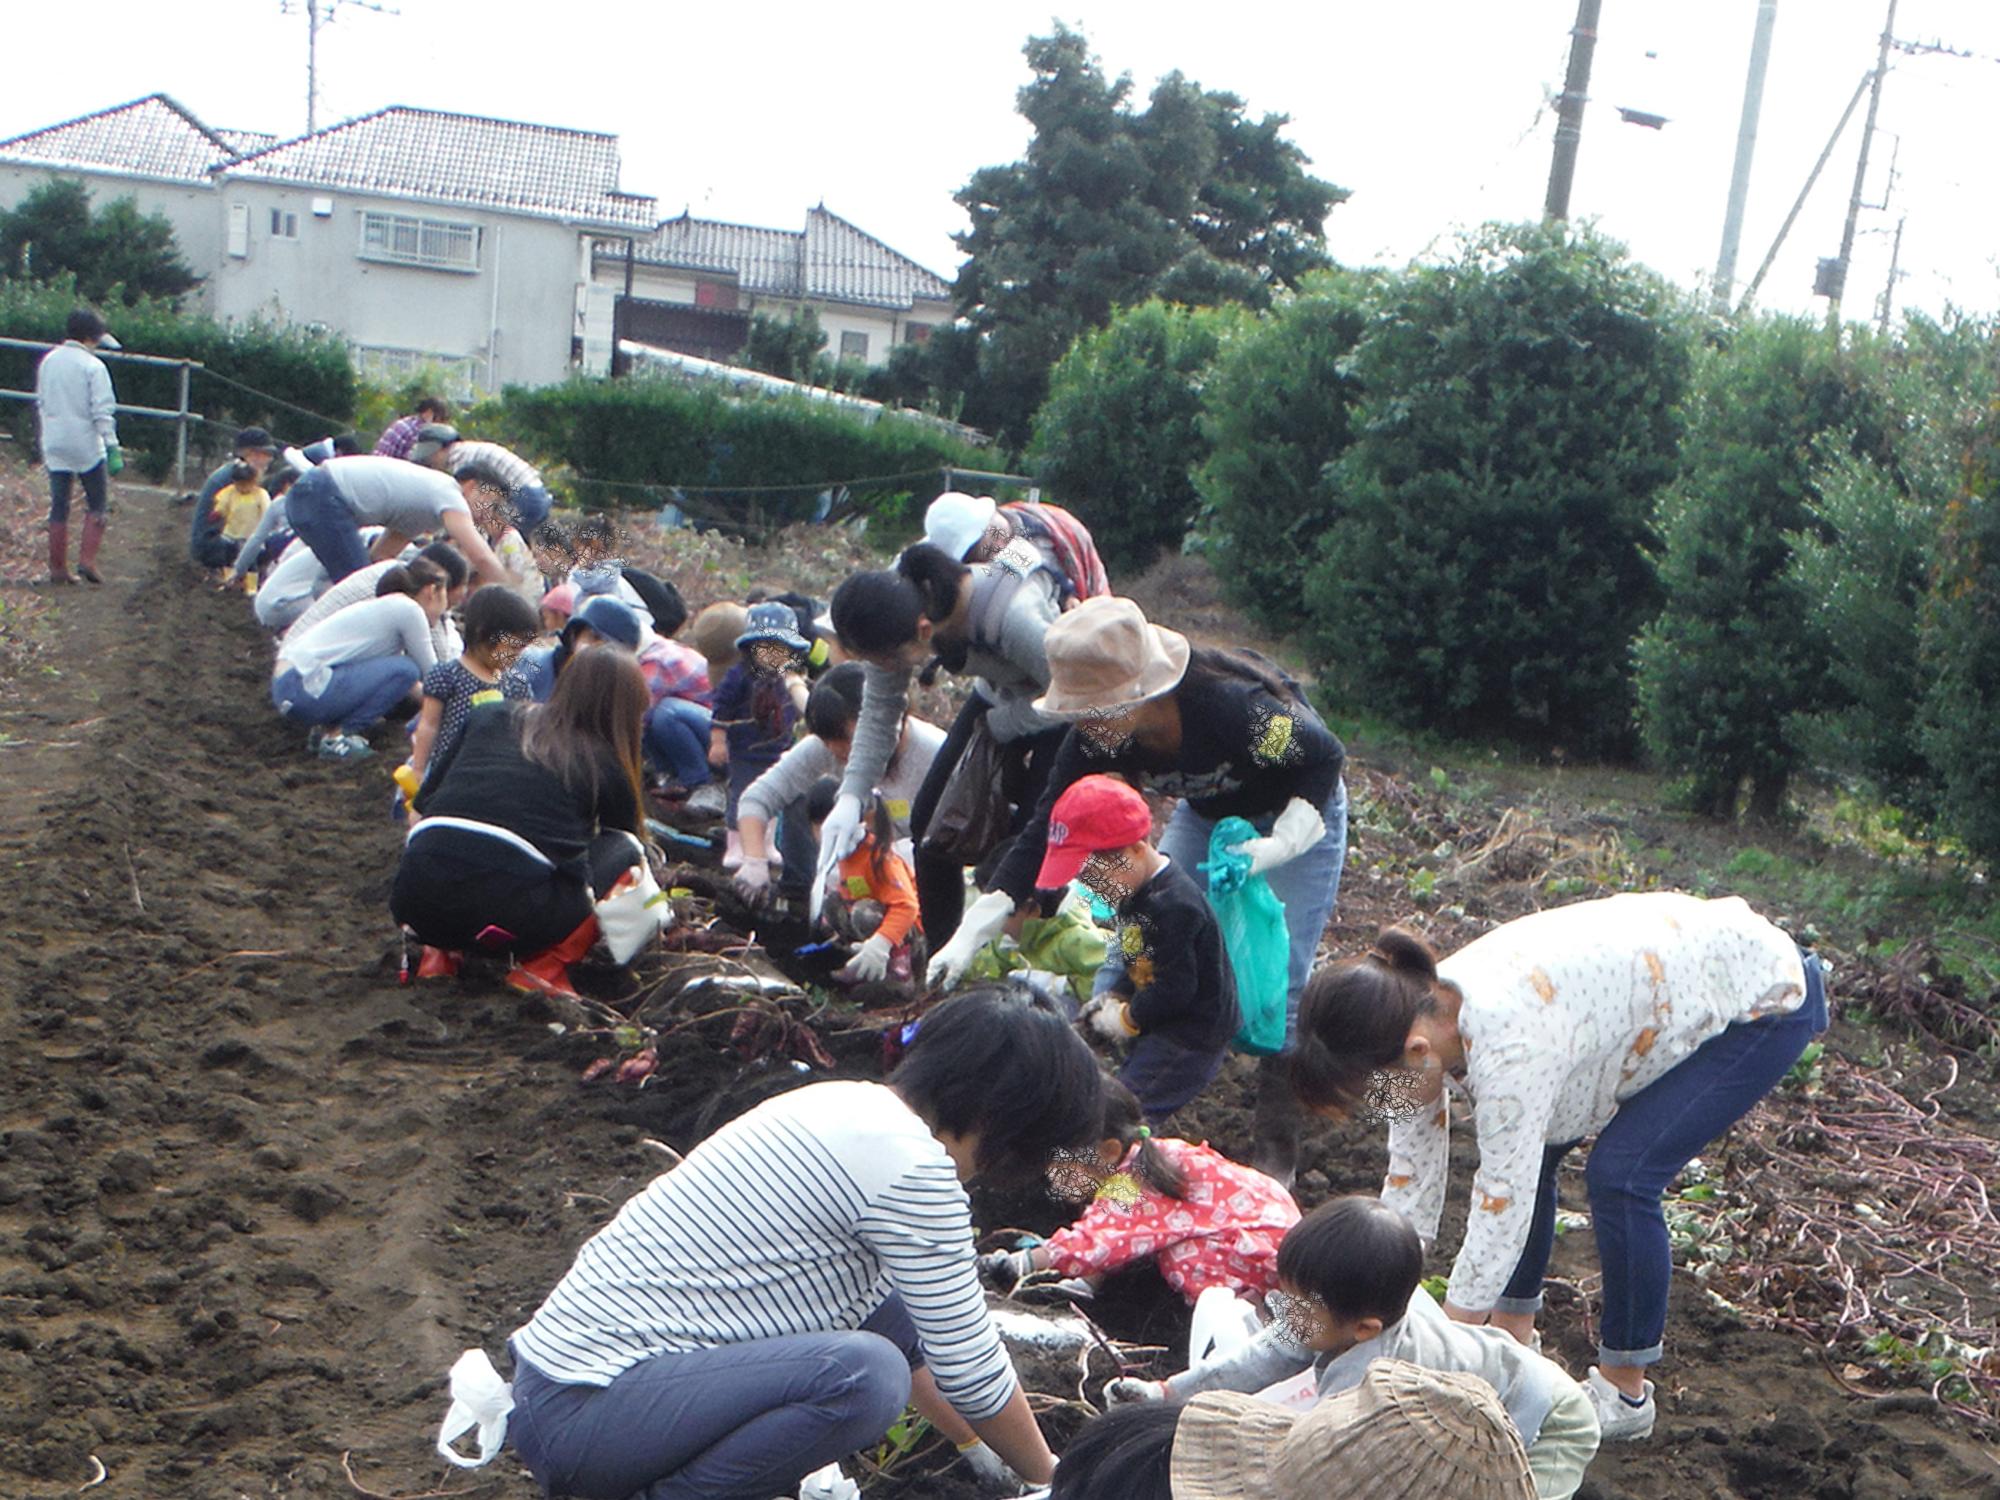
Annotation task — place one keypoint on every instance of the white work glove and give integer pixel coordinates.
(753, 880)
(870, 962)
(839, 836)
(1129, 1390)
(828, 1484)
(981, 925)
(1107, 1019)
(1295, 830)
(990, 1468)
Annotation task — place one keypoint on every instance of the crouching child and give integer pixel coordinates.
(1174, 998)
(1349, 1294)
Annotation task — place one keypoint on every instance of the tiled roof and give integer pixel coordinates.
(830, 260)
(243, 142)
(420, 153)
(150, 137)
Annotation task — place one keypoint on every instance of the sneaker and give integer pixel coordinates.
(707, 801)
(337, 746)
(1618, 1420)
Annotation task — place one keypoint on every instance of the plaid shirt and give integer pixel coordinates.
(399, 437)
(674, 671)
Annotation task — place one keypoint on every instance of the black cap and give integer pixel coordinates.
(256, 437)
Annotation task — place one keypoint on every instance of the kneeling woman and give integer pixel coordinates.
(769, 1305)
(1653, 1022)
(533, 814)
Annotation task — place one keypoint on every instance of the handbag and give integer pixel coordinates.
(973, 813)
(632, 913)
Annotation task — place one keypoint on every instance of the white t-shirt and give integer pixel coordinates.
(392, 625)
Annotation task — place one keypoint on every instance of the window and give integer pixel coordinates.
(853, 345)
(456, 374)
(284, 226)
(406, 241)
(917, 333)
(239, 230)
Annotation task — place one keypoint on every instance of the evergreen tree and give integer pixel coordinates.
(1188, 199)
(114, 251)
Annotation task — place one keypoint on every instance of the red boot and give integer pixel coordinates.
(547, 972)
(59, 552)
(438, 963)
(86, 551)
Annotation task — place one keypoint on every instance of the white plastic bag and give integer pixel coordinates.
(828, 1484)
(481, 1399)
(1223, 1323)
(635, 910)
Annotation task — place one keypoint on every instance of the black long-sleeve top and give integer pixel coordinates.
(487, 777)
(1245, 752)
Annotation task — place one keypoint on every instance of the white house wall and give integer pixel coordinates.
(512, 317)
(191, 208)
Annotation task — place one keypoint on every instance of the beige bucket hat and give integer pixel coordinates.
(1404, 1433)
(1104, 656)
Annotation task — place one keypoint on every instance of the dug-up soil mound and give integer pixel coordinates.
(255, 1194)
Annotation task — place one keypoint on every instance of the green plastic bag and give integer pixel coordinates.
(1252, 919)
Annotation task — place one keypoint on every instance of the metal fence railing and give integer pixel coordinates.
(181, 416)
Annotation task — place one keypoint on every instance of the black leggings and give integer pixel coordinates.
(1024, 775)
(457, 888)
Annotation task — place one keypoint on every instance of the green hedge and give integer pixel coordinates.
(619, 437)
(301, 384)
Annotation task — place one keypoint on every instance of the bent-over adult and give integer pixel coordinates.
(438, 446)
(985, 622)
(770, 1305)
(1230, 735)
(531, 815)
(329, 504)
(1653, 1022)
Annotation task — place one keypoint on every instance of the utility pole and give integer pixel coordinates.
(1839, 281)
(1569, 110)
(320, 13)
(1889, 288)
(1746, 149)
(1798, 203)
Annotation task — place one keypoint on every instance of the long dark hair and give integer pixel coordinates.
(1125, 1122)
(1126, 1454)
(594, 720)
(410, 578)
(834, 706)
(1355, 1017)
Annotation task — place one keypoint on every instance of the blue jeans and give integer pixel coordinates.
(1655, 1133)
(359, 695)
(96, 492)
(321, 518)
(1164, 1075)
(1308, 886)
(740, 1422)
(797, 847)
(677, 740)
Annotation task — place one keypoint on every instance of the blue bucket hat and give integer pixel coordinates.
(771, 621)
(611, 618)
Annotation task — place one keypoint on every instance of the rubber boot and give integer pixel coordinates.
(547, 972)
(86, 552)
(59, 552)
(438, 963)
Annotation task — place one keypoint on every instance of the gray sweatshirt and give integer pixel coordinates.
(1007, 662)
(809, 760)
(1527, 1384)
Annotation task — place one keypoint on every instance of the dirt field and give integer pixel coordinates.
(255, 1195)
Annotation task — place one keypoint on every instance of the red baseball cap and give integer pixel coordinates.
(1096, 812)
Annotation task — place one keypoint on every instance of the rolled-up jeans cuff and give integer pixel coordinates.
(1631, 1356)
(1518, 1304)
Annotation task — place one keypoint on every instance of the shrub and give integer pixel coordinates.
(114, 253)
(1482, 570)
(1276, 409)
(300, 385)
(1733, 660)
(1119, 436)
(644, 440)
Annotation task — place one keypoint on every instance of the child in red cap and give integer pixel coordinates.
(1176, 999)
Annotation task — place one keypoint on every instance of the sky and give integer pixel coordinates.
(1436, 117)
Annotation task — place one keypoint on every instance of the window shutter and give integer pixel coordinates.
(239, 229)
